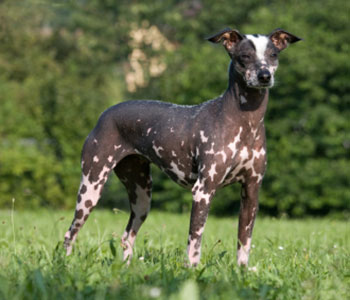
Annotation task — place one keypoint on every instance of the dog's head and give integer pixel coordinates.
(255, 57)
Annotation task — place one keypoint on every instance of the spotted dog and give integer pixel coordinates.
(201, 147)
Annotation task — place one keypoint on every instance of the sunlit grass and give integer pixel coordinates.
(290, 259)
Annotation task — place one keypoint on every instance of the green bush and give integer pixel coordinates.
(62, 64)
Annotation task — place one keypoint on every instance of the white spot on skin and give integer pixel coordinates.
(272, 69)
(194, 259)
(141, 208)
(138, 120)
(173, 153)
(226, 173)
(204, 139)
(249, 226)
(211, 151)
(116, 147)
(200, 231)
(244, 153)
(257, 154)
(249, 165)
(95, 141)
(243, 253)
(175, 169)
(212, 171)
(199, 194)
(92, 193)
(233, 145)
(95, 159)
(191, 250)
(182, 143)
(148, 131)
(252, 130)
(223, 153)
(127, 244)
(171, 129)
(157, 149)
(243, 99)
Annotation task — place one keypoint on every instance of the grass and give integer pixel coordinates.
(293, 259)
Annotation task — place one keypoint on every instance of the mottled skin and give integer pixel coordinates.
(202, 147)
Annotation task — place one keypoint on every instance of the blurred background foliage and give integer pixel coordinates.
(63, 62)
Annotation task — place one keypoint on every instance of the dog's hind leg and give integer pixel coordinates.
(99, 157)
(134, 172)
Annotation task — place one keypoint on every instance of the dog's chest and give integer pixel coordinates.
(220, 161)
(249, 164)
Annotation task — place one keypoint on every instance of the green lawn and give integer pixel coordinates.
(293, 259)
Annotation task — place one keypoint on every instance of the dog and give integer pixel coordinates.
(201, 147)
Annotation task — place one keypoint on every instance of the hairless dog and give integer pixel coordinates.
(201, 147)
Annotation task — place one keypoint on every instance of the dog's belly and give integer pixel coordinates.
(184, 179)
(180, 169)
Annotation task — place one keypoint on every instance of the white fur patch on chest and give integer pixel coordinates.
(260, 42)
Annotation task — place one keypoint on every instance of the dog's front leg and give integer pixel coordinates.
(202, 195)
(247, 214)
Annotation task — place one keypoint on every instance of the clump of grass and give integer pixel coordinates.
(304, 259)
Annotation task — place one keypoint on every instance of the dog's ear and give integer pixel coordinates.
(281, 38)
(229, 37)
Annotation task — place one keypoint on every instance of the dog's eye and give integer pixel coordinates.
(273, 55)
(245, 56)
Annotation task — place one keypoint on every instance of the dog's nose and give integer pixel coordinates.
(264, 76)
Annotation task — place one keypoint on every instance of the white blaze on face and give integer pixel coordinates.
(260, 42)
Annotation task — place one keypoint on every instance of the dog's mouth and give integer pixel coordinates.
(259, 85)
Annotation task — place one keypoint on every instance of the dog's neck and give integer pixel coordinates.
(246, 98)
